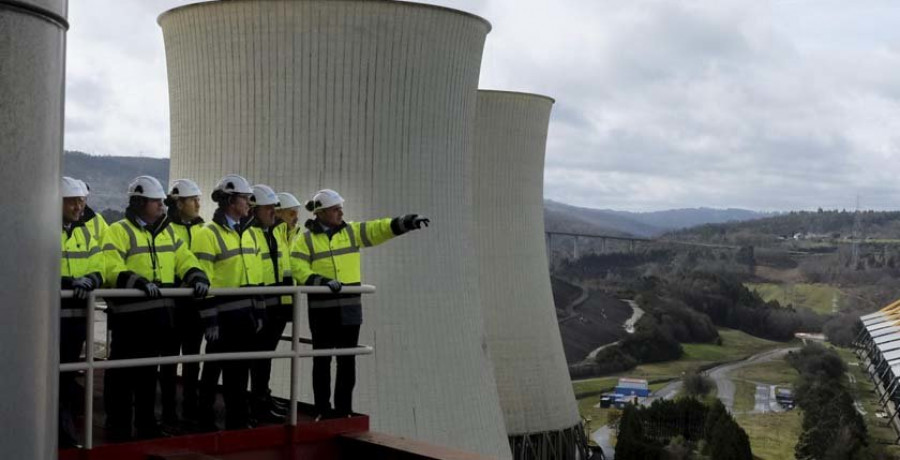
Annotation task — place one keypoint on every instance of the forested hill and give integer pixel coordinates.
(833, 225)
(109, 175)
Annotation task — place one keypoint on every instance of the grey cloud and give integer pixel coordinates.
(660, 104)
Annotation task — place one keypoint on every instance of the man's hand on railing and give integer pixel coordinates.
(82, 286)
(151, 289)
(201, 289)
(334, 285)
(212, 333)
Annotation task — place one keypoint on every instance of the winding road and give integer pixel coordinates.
(636, 314)
(725, 386)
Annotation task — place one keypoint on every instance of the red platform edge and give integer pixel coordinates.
(225, 442)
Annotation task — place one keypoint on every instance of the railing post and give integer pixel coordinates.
(89, 374)
(295, 359)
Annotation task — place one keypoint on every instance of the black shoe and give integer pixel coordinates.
(207, 426)
(67, 441)
(282, 406)
(151, 432)
(278, 408)
(267, 416)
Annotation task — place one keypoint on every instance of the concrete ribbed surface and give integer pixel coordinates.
(375, 99)
(523, 336)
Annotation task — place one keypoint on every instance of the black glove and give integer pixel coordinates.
(82, 286)
(334, 285)
(151, 289)
(212, 333)
(201, 289)
(413, 221)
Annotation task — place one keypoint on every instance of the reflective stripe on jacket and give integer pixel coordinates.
(80, 257)
(131, 251)
(95, 224)
(276, 265)
(319, 256)
(230, 259)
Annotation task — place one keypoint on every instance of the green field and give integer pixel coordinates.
(820, 298)
(772, 372)
(773, 435)
(594, 417)
(735, 345)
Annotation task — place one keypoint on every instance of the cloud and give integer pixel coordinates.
(770, 105)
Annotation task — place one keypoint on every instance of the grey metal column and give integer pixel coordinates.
(32, 68)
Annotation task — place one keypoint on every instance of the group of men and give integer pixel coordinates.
(253, 240)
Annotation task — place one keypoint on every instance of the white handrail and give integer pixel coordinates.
(294, 354)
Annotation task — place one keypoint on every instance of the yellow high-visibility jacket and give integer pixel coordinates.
(95, 223)
(320, 255)
(80, 257)
(154, 252)
(186, 231)
(276, 265)
(231, 258)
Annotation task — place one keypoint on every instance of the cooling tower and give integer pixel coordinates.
(523, 336)
(375, 99)
(32, 66)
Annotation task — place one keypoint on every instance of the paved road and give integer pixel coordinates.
(667, 392)
(724, 384)
(636, 315)
(602, 438)
(765, 401)
(761, 404)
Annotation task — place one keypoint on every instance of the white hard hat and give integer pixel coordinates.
(87, 188)
(71, 188)
(147, 187)
(232, 184)
(324, 199)
(287, 201)
(184, 188)
(263, 195)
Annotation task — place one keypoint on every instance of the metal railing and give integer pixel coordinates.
(295, 353)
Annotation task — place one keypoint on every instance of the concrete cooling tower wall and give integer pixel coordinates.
(523, 336)
(375, 99)
(32, 67)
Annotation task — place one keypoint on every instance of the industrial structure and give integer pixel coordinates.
(523, 339)
(878, 347)
(375, 99)
(32, 65)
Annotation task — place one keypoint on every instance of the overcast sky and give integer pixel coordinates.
(758, 104)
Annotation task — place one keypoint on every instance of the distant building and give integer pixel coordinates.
(632, 387)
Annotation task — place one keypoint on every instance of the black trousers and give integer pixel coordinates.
(237, 332)
(328, 331)
(186, 339)
(131, 392)
(71, 340)
(267, 339)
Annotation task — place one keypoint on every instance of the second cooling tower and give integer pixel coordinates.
(375, 99)
(523, 336)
